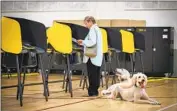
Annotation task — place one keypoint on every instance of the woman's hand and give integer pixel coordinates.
(80, 42)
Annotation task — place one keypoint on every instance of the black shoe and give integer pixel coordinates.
(93, 94)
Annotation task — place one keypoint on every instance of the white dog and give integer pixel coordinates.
(133, 90)
(122, 74)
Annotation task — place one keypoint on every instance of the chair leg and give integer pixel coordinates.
(64, 79)
(82, 77)
(105, 72)
(113, 79)
(142, 64)
(107, 80)
(48, 71)
(8, 75)
(132, 63)
(125, 61)
(117, 59)
(24, 77)
(108, 75)
(118, 65)
(104, 79)
(110, 70)
(69, 81)
(134, 59)
(101, 80)
(47, 78)
(85, 83)
(43, 77)
(19, 89)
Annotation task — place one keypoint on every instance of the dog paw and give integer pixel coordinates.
(110, 97)
(155, 103)
(103, 92)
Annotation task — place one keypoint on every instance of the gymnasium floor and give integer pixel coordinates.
(163, 90)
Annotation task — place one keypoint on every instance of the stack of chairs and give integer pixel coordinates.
(21, 36)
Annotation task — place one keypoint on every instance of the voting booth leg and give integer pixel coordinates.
(24, 77)
(109, 70)
(141, 59)
(64, 78)
(118, 66)
(132, 63)
(117, 60)
(85, 84)
(43, 72)
(19, 88)
(101, 80)
(105, 75)
(82, 78)
(69, 74)
(50, 56)
(85, 78)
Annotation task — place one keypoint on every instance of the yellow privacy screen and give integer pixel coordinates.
(11, 36)
(105, 40)
(127, 42)
(60, 37)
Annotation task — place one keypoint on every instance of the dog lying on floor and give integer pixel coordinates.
(132, 90)
(122, 74)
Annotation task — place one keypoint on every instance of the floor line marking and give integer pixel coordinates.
(162, 109)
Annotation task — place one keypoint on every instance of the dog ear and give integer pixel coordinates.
(118, 71)
(117, 74)
(145, 78)
(134, 78)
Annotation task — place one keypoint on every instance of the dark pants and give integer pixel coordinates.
(94, 78)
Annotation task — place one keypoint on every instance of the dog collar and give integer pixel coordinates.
(137, 86)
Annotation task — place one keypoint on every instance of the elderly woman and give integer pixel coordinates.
(93, 38)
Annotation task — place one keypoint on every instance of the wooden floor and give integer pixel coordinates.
(165, 91)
